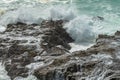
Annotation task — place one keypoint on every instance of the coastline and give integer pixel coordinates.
(52, 60)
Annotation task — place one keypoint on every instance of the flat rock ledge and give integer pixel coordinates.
(43, 51)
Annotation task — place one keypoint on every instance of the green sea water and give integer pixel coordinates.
(81, 13)
(108, 9)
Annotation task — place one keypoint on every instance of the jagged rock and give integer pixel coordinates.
(49, 43)
(16, 49)
(105, 36)
(104, 45)
(117, 33)
(3, 52)
(13, 71)
(73, 68)
(18, 26)
(23, 42)
(56, 35)
(57, 73)
(19, 41)
(80, 53)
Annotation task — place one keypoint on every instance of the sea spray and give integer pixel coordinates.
(3, 73)
(80, 30)
(62, 12)
(79, 27)
(2, 28)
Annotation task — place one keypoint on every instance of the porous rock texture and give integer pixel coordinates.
(22, 45)
(46, 47)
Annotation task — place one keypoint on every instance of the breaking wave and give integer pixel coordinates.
(83, 28)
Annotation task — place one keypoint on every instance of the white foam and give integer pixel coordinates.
(26, 15)
(62, 12)
(35, 65)
(118, 55)
(36, 14)
(55, 1)
(8, 1)
(3, 73)
(30, 77)
(37, 58)
(80, 29)
(104, 57)
(109, 25)
(2, 28)
(77, 47)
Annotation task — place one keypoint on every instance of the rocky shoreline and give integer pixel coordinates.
(43, 51)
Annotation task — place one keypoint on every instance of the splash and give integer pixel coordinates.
(3, 73)
(81, 26)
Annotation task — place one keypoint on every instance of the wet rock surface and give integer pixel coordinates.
(99, 62)
(43, 51)
(22, 46)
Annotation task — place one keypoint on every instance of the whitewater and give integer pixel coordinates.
(87, 19)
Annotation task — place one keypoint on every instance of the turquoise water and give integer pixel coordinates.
(108, 9)
(98, 7)
(90, 7)
(83, 25)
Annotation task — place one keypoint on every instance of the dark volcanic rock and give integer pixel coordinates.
(23, 44)
(56, 35)
(81, 65)
(117, 33)
(20, 49)
(46, 49)
(13, 71)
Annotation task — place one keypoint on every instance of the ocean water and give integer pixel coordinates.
(83, 15)
(87, 18)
